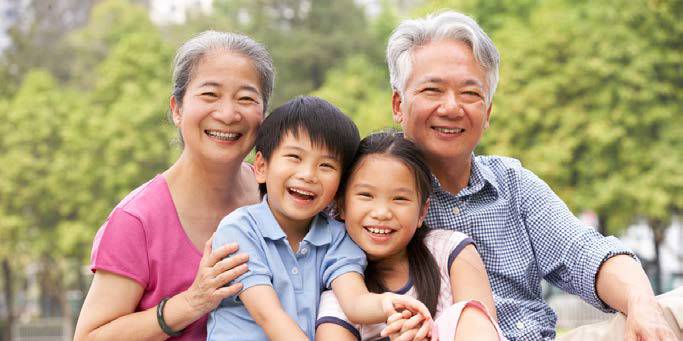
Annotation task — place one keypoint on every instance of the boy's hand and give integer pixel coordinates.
(412, 313)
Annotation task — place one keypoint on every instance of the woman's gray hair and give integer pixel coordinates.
(191, 53)
(448, 25)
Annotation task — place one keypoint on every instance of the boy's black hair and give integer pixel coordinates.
(421, 262)
(324, 124)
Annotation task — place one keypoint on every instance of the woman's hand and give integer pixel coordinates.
(216, 270)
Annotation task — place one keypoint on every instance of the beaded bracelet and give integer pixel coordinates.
(160, 318)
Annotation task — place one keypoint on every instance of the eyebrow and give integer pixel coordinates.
(217, 85)
(466, 82)
(398, 190)
(299, 149)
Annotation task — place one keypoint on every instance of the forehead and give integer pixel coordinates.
(299, 139)
(224, 67)
(383, 167)
(447, 61)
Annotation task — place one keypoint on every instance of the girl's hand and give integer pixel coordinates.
(413, 314)
(216, 269)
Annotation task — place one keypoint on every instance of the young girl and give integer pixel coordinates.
(384, 203)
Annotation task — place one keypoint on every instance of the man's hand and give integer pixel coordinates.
(645, 320)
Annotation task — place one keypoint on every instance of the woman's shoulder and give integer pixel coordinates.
(148, 196)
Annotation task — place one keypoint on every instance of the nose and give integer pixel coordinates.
(307, 173)
(381, 212)
(227, 112)
(449, 106)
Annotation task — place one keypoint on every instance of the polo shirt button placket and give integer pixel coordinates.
(295, 271)
(304, 251)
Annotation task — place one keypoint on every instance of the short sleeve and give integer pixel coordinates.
(343, 256)
(120, 247)
(331, 312)
(239, 227)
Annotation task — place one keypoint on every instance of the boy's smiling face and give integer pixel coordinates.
(302, 179)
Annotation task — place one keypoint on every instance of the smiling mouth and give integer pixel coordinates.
(453, 131)
(301, 194)
(223, 136)
(378, 230)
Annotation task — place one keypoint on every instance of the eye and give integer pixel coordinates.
(247, 99)
(328, 166)
(431, 90)
(292, 157)
(401, 198)
(209, 94)
(472, 93)
(364, 195)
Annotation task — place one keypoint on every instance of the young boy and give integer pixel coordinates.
(303, 150)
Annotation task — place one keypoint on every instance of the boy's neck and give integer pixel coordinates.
(295, 230)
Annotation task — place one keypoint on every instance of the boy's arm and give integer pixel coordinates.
(264, 307)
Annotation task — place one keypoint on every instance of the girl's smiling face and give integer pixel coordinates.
(382, 207)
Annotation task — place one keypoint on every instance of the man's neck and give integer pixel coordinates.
(453, 174)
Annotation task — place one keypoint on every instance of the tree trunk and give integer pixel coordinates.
(9, 299)
(658, 236)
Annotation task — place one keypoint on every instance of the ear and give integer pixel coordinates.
(260, 168)
(396, 102)
(175, 111)
(488, 116)
(423, 214)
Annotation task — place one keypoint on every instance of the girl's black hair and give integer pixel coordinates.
(423, 268)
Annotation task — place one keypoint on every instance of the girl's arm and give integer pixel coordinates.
(364, 307)
(264, 307)
(469, 281)
(108, 312)
(331, 331)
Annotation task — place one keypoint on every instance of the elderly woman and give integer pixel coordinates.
(155, 273)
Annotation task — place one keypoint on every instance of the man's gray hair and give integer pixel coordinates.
(447, 25)
(191, 53)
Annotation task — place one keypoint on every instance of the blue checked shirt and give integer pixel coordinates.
(524, 233)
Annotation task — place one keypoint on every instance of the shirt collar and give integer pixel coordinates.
(480, 175)
(318, 235)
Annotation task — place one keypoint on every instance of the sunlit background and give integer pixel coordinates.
(590, 99)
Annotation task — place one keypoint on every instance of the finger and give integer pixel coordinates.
(408, 335)
(228, 263)
(424, 329)
(207, 250)
(412, 323)
(388, 307)
(225, 292)
(228, 276)
(413, 304)
(393, 328)
(221, 253)
(394, 317)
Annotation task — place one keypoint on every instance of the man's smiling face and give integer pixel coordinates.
(443, 107)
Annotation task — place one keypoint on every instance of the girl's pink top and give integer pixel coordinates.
(143, 240)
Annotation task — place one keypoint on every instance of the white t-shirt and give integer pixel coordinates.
(445, 245)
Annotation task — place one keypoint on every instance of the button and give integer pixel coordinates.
(295, 271)
(456, 210)
(304, 251)
(519, 325)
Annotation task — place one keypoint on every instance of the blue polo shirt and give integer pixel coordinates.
(298, 278)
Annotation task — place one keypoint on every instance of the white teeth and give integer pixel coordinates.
(378, 231)
(300, 191)
(449, 130)
(222, 135)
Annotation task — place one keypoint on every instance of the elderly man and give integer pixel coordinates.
(444, 72)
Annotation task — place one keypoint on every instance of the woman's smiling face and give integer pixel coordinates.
(222, 108)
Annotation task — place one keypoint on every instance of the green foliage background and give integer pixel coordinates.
(590, 99)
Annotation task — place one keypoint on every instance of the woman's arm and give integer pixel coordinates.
(469, 281)
(108, 312)
(264, 307)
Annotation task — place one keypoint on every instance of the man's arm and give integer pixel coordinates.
(264, 307)
(622, 284)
